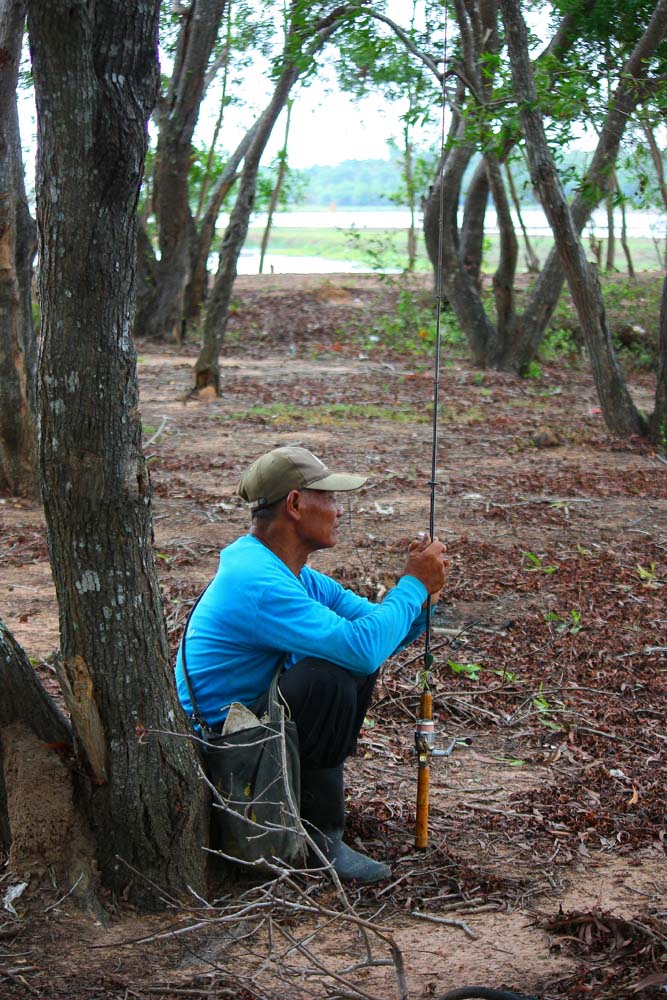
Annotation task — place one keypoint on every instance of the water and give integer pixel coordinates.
(648, 224)
(282, 264)
(640, 224)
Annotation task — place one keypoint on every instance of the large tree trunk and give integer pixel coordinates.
(18, 438)
(599, 177)
(161, 312)
(96, 74)
(620, 413)
(461, 265)
(441, 233)
(503, 278)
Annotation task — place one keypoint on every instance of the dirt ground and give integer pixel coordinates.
(546, 869)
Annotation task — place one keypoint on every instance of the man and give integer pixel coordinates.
(266, 606)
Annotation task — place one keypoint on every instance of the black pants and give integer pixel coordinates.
(328, 705)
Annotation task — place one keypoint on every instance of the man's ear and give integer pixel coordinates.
(293, 504)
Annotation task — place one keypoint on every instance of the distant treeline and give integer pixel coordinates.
(377, 183)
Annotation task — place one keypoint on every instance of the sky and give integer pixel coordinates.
(327, 127)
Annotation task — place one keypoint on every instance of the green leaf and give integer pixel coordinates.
(550, 724)
(505, 674)
(471, 670)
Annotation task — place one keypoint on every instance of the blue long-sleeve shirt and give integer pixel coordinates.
(256, 612)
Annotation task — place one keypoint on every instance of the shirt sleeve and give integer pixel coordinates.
(311, 621)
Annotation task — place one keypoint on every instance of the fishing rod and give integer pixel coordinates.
(425, 737)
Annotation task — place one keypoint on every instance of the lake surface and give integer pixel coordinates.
(282, 264)
(647, 225)
(650, 225)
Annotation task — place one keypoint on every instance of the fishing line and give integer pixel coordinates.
(433, 482)
(425, 737)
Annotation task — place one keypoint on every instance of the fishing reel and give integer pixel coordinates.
(426, 741)
(426, 748)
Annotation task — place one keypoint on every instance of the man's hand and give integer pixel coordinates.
(428, 562)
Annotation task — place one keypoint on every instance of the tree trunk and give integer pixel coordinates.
(610, 262)
(23, 700)
(472, 228)
(302, 44)
(18, 438)
(275, 194)
(621, 414)
(532, 262)
(161, 313)
(96, 75)
(658, 419)
(207, 371)
(409, 175)
(441, 233)
(460, 277)
(503, 279)
(545, 295)
(197, 289)
(624, 242)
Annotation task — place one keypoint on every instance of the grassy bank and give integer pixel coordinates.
(380, 249)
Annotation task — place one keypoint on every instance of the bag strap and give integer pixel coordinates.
(274, 704)
(194, 714)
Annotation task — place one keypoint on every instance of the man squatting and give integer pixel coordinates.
(266, 605)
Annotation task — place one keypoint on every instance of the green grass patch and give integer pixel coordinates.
(332, 414)
(335, 414)
(380, 249)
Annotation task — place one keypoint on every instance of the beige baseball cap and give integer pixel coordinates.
(274, 475)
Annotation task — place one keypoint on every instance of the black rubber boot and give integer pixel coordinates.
(323, 813)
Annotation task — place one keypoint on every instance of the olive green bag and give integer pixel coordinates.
(255, 769)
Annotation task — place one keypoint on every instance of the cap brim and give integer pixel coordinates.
(338, 482)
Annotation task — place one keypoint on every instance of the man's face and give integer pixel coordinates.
(320, 513)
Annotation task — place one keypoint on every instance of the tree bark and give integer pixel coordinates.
(503, 278)
(472, 227)
(96, 75)
(18, 243)
(620, 413)
(161, 312)
(23, 700)
(441, 233)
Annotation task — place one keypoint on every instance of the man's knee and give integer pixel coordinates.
(324, 682)
(328, 704)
